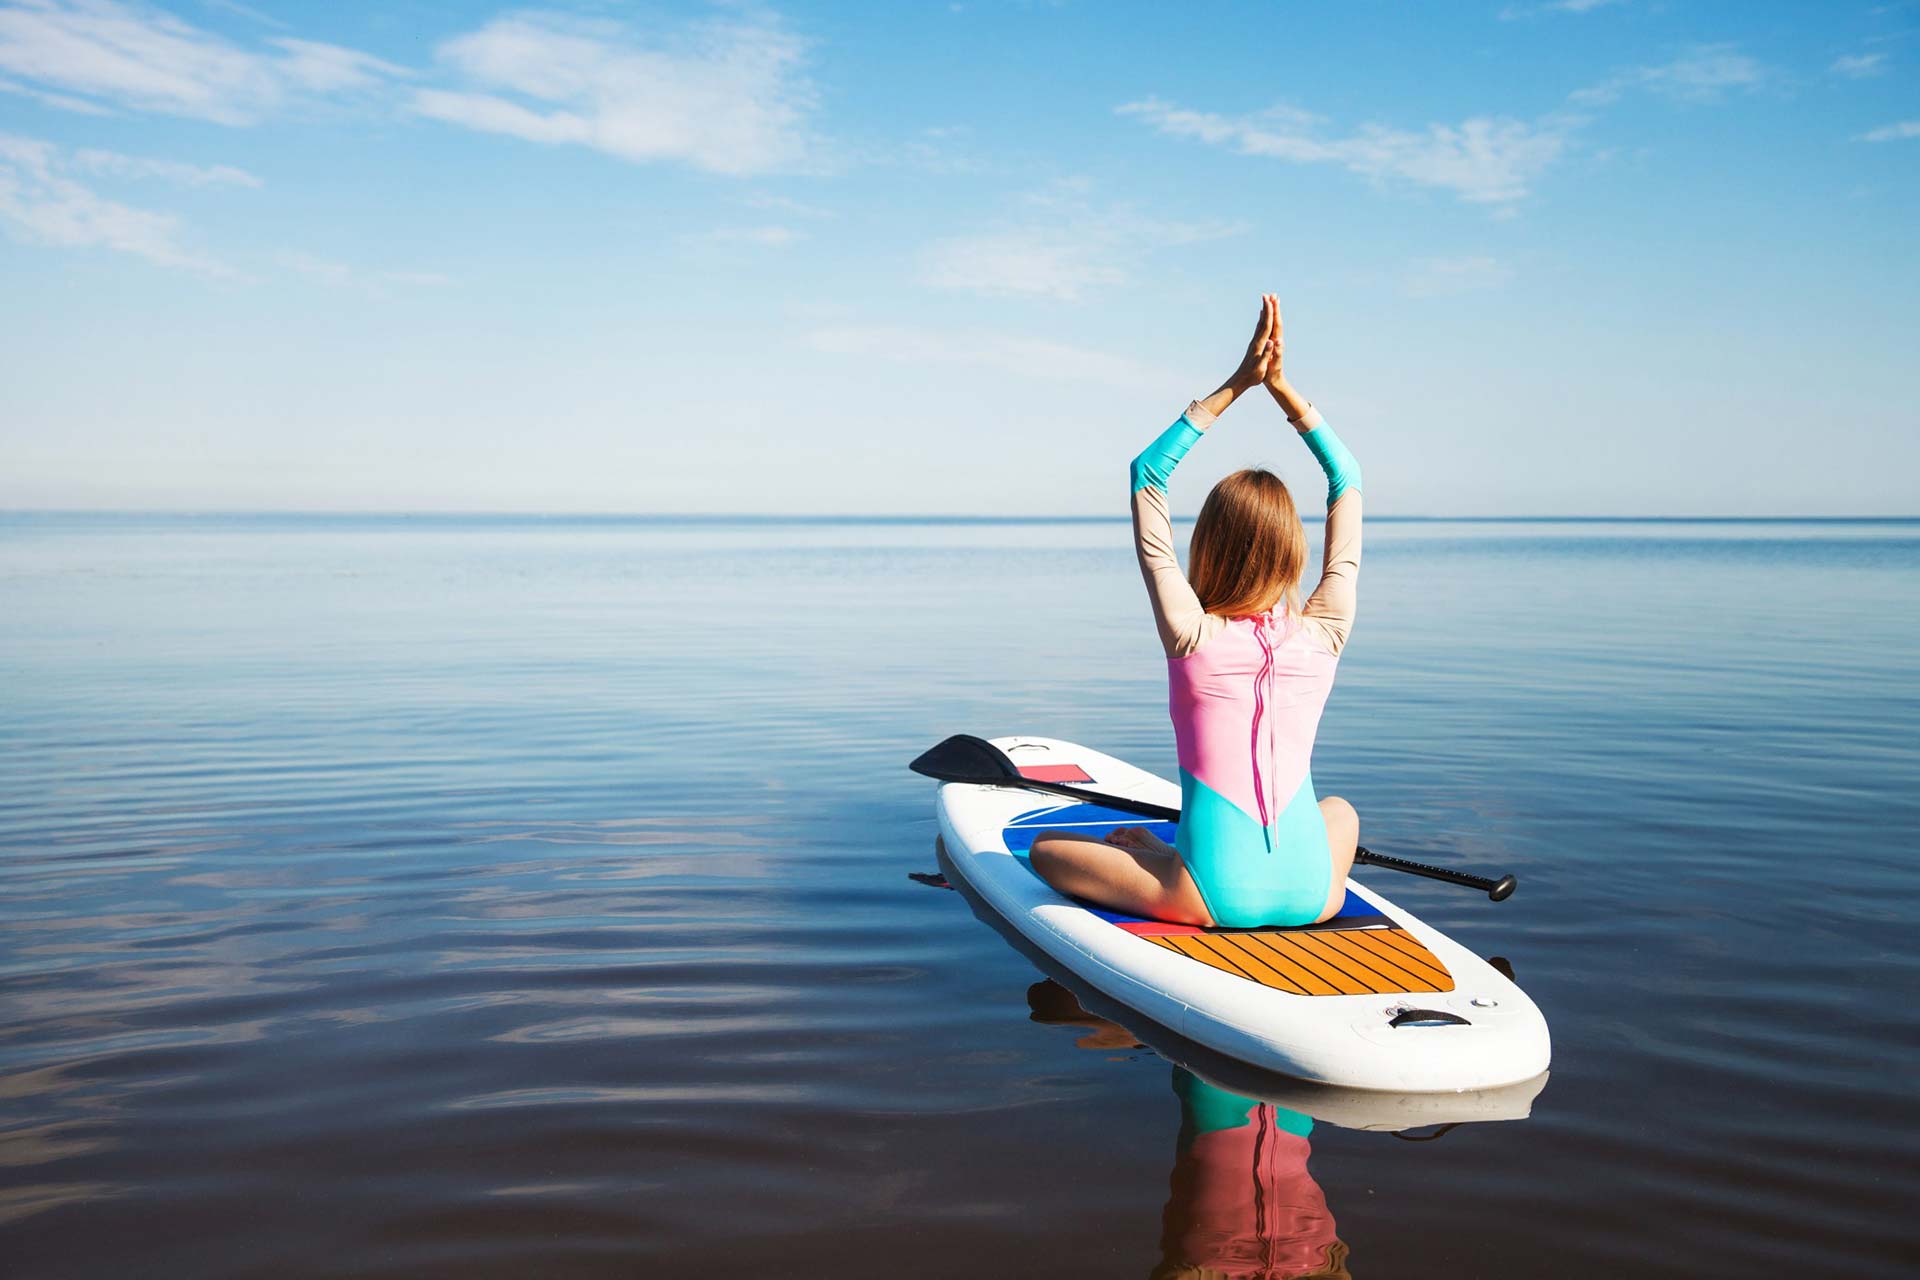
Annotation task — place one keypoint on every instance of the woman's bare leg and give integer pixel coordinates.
(1130, 871)
(1343, 838)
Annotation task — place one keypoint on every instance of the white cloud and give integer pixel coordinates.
(788, 205)
(1859, 66)
(244, 11)
(1514, 11)
(772, 236)
(1025, 357)
(91, 54)
(1444, 277)
(1702, 74)
(1484, 160)
(111, 164)
(1060, 247)
(343, 275)
(62, 101)
(39, 202)
(1898, 132)
(946, 149)
(1028, 263)
(727, 97)
(328, 68)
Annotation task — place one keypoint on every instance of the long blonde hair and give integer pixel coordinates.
(1249, 548)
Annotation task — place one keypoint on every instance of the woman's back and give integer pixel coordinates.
(1246, 706)
(1246, 694)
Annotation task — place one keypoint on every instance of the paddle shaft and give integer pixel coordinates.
(1124, 805)
(1498, 890)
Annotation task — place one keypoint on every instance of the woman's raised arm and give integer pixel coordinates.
(1177, 612)
(1330, 609)
(1335, 601)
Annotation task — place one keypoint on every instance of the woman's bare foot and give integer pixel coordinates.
(1139, 838)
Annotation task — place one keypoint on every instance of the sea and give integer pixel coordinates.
(410, 896)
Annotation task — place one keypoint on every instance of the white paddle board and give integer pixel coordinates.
(1374, 998)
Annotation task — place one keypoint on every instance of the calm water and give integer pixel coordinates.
(503, 898)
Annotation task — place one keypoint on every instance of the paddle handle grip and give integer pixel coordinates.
(1499, 890)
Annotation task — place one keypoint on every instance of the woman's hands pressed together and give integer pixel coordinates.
(1291, 401)
(1263, 352)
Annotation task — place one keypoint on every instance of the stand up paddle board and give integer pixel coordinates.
(1373, 998)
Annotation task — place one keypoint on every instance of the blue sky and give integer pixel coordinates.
(1585, 257)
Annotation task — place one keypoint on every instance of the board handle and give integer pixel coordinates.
(1406, 1016)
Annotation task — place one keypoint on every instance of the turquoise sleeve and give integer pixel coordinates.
(1154, 467)
(1342, 468)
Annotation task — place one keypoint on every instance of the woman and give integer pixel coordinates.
(1248, 669)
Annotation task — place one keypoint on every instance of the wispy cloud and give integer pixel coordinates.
(1859, 66)
(377, 283)
(1514, 11)
(727, 97)
(1030, 263)
(1702, 74)
(328, 68)
(62, 101)
(946, 149)
(788, 205)
(42, 203)
(101, 54)
(771, 236)
(1019, 355)
(112, 164)
(248, 12)
(1898, 132)
(1444, 277)
(1483, 160)
(1490, 160)
(1060, 246)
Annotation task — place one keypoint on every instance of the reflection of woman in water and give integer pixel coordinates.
(1243, 1203)
(1243, 1206)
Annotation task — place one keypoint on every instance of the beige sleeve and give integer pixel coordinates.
(1182, 623)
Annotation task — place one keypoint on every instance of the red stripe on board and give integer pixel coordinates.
(1055, 773)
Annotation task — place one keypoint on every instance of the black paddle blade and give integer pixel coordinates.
(965, 758)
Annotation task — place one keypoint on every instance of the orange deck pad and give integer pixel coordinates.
(1318, 962)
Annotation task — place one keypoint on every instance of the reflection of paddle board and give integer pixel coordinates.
(1333, 1104)
(1372, 999)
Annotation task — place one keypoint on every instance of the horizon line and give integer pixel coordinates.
(718, 517)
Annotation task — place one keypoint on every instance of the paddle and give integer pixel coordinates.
(965, 758)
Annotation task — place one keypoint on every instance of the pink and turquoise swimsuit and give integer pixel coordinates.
(1246, 696)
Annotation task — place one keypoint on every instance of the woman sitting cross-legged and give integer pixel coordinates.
(1249, 667)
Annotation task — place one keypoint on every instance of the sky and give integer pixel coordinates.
(1535, 257)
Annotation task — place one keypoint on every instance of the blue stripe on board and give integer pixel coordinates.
(1069, 812)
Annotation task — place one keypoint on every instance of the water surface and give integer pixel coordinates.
(401, 897)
